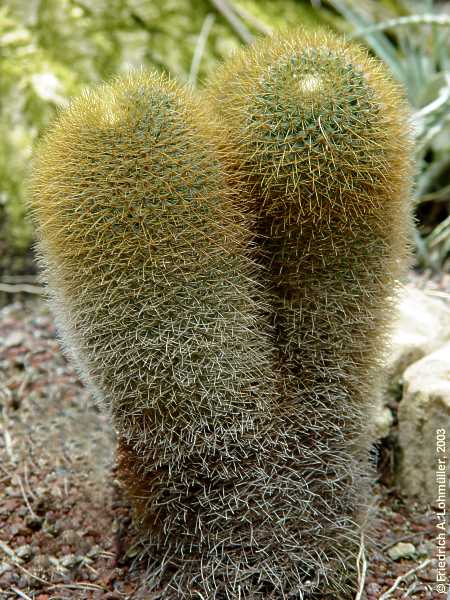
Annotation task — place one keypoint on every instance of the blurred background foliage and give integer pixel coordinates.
(51, 49)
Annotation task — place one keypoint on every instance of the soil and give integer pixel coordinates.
(65, 528)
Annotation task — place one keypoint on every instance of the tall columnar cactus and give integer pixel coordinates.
(143, 238)
(144, 235)
(323, 148)
(170, 240)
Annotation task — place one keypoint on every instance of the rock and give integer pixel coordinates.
(402, 550)
(16, 338)
(426, 548)
(373, 588)
(422, 326)
(424, 429)
(70, 560)
(4, 567)
(382, 422)
(41, 563)
(94, 552)
(70, 537)
(12, 311)
(25, 552)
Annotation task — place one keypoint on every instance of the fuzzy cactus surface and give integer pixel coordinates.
(223, 272)
(144, 242)
(323, 150)
(144, 251)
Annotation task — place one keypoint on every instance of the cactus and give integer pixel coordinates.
(143, 238)
(170, 240)
(323, 148)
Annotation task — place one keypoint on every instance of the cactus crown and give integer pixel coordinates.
(103, 147)
(320, 124)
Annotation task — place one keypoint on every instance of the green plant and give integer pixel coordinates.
(144, 239)
(50, 50)
(31, 86)
(171, 240)
(323, 149)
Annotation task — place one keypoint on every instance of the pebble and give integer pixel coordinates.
(25, 552)
(41, 563)
(425, 549)
(12, 492)
(14, 339)
(70, 560)
(373, 588)
(402, 550)
(94, 551)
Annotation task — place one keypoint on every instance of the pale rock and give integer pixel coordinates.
(70, 560)
(25, 552)
(402, 550)
(422, 325)
(423, 412)
(15, 338)
(382, 421)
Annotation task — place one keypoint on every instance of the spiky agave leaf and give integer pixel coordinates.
(323, 148)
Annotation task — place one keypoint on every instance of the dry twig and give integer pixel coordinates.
(9, 551)
(403, 577)
(82, 585)
(7, 436)
(24, 495)
(361, 565)
(8, 444)
(21, 594)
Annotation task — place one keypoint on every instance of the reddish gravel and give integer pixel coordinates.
(64, 527)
